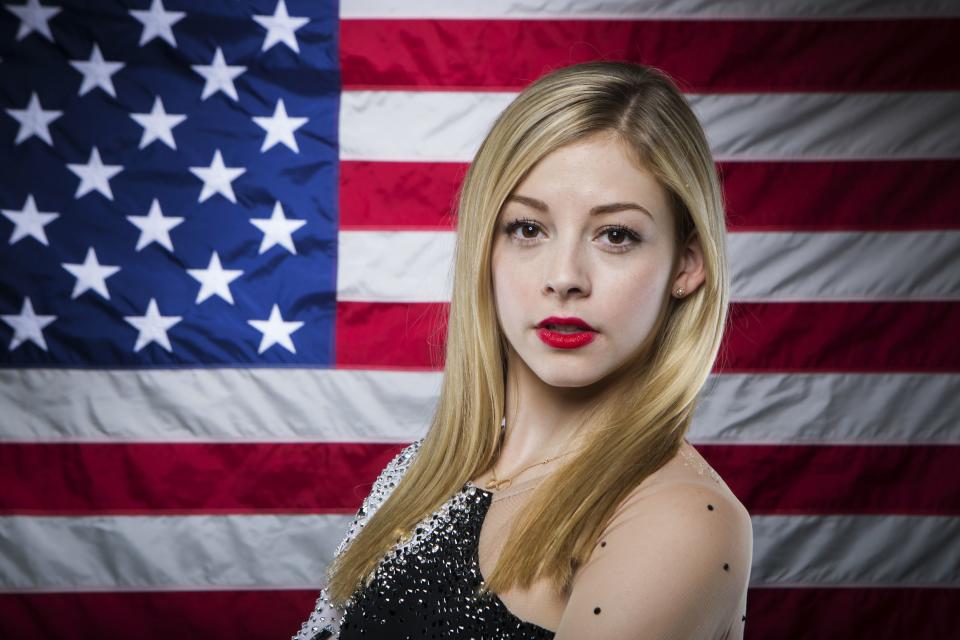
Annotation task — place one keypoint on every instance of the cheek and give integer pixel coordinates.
(507, 293)
(504, 286)
(633, 299)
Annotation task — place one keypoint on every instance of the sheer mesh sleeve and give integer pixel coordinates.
(673, 562)
(324, 620)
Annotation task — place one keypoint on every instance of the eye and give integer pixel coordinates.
(526, 226)
(621, 236)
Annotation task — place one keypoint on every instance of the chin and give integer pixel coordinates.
(568, 376)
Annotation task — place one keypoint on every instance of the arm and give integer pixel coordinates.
(324, 620)
(668, 566)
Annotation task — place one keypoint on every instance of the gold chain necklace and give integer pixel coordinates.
(493, 483)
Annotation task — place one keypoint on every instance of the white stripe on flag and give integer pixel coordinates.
(846, 551)
(785, 267)
(160, 552)
(415, 266)
(322, 405)
(215, 405)
(119, 553)
(395, 266)
(646, 9)
(417, 125)
(828, 409)
(448, 126)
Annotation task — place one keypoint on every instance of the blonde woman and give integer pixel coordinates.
(555, 495)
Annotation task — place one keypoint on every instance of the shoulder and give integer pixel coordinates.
(394, 469)
(684, 489)
(687, 501)
(389, 476)
(708, 521)
(674, 559)
(381, 489)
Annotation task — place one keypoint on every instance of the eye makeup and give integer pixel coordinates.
(627, 233)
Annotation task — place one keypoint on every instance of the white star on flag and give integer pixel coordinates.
(34, 120)
(217, 178)
(90, 275)
(277, 229)
(275, 331)
(158, 124)
(218, 76)
(280, 27)
(215, 280)
(157, 23)
(29, 221)
(155, 227)
(279, 128)
(95, 175)
(153, 327)
(27, 326)
(97, 72)
(34, 17)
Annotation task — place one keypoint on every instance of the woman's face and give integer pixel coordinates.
(586, 234)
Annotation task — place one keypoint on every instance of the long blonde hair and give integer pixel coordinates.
(639, 422)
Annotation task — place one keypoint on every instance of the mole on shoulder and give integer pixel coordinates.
(726, 566)
(603, 543)
(710, 507)
(596, 611)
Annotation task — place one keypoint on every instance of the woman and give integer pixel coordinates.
(554, 495)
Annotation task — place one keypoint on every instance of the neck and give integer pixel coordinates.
(542, 421)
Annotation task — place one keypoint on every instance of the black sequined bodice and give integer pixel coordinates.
(425, 587)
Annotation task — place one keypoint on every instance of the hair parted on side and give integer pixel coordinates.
(638, 422)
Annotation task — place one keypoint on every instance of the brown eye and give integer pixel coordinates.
(621, 237)
(528, 227)
(528, 230)
(617, 236)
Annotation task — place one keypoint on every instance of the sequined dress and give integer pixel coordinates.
(673, 559)
(425, 586)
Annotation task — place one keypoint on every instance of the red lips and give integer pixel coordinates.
(563, 339)
(574, 322)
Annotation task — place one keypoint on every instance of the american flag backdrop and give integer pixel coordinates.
(225, 251)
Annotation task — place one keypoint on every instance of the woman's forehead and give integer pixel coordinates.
(587, 174)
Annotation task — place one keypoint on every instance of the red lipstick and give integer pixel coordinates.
(555, 332)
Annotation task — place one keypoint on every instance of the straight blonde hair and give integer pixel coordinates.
(639, 420)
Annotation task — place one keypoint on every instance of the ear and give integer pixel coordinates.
(689, 272)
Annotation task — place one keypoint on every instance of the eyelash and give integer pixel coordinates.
(510, 227)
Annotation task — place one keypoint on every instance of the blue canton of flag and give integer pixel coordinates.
(169, 183)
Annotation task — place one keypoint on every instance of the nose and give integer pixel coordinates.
(565, 269)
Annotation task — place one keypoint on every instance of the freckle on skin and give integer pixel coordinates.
(596, 611)
(710, 507)
(726, 567)
(603, 543)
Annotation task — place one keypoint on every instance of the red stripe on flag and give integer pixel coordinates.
(399, 195)
(380, 335)
(921, 613)
(126, 479)
(909, 195)
(761, 196)
(146, 615)
(841, 337)
(822, 480)
(176, 478)
(704, 56)
(784, 337)
(918, 613)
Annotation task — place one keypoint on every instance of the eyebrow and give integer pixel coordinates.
(612, 207)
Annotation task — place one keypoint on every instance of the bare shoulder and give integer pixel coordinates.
(687, 493)
(673, 560)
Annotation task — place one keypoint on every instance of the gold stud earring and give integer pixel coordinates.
(679, 292)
